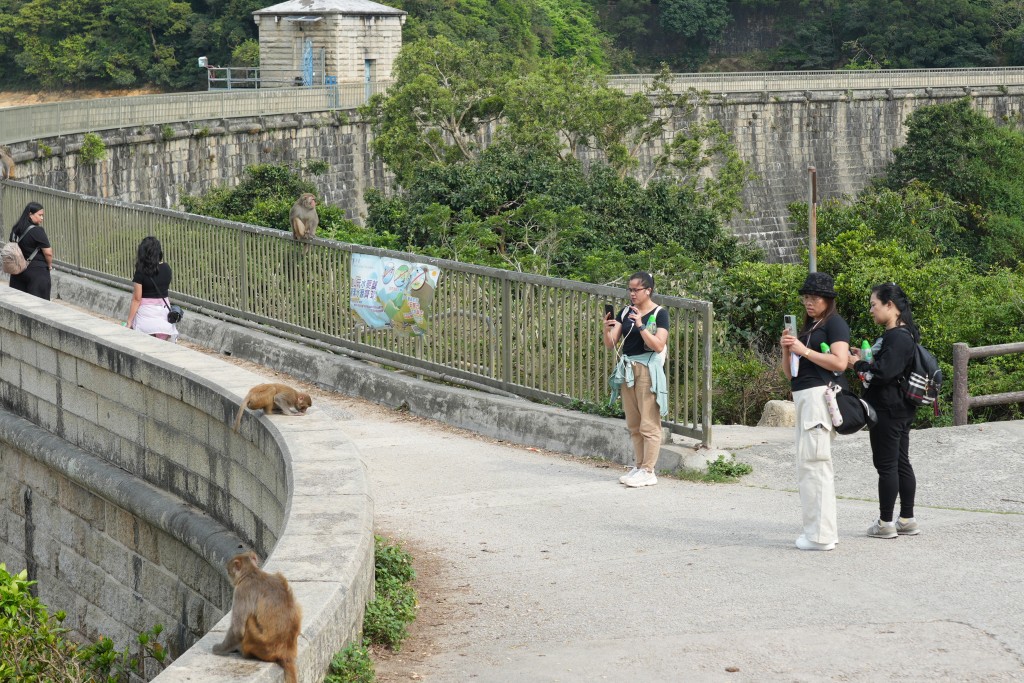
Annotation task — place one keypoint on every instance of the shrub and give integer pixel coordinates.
(93, 149)
(351, 665)
(36, 647)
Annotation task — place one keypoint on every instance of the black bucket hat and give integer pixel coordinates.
(820, 284)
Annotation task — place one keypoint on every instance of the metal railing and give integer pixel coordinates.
(962, 400)
(251, 77)
(532, 336)
(32, 122)
(790, 81)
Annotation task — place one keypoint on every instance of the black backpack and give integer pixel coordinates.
(923, 381)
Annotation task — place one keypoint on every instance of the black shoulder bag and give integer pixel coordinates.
(174, 312)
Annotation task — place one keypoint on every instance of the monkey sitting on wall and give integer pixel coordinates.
(303, 217)
(265, 619)
(6, 164)
(266, 397)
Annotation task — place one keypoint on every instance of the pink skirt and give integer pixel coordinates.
(151, 318)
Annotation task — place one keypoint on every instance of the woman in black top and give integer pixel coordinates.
(890, 437)
(35, 246)
(150, 285)
(814, 432)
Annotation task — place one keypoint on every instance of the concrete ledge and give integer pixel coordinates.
(131, 418)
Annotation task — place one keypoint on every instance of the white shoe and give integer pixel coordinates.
(641, 478)
(627, 475)
(804, 544)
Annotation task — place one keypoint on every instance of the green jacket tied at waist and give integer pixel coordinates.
(624, 373)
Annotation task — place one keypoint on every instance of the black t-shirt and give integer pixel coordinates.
(154, 287)
(634, 343)
(810, 375)
(35, 239)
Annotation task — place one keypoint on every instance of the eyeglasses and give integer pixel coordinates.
(810, 298)
(635, 291)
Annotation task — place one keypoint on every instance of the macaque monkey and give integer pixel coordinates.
(265, 619)
(266, 396)
(6, 164)
(303, 217)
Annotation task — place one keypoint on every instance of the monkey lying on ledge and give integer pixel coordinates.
(265, 619)
(266, 396)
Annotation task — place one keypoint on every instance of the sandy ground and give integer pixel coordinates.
(17, 98)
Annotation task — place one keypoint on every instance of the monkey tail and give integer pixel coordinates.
(291, 674)
(238, 417)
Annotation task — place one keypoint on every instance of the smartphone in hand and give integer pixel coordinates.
(789, 322)
(609, 311)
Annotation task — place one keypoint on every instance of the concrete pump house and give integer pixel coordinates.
(347, 41)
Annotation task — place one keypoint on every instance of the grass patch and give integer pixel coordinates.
(721, 471)
(394, 607)
(387, 616)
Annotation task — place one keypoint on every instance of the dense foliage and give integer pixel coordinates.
(35, 647)
(526, 201)
(814, 34)
(60, 43)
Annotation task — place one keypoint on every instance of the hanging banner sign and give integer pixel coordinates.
(389, 293)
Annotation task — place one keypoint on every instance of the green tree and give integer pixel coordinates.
(975, 161)
(442, 96)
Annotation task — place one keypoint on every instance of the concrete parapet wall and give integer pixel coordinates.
(125, 491)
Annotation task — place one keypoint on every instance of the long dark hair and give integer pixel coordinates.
(890, 291)
(24, 222)
(149, 257)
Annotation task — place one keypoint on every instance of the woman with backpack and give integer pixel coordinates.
(814, 431)
(150, 286)
(35, 247)
(640, 375)
(883, 376)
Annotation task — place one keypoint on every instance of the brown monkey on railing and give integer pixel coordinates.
(303, 217)
(266, 397)
(265, 619)
(6, 164)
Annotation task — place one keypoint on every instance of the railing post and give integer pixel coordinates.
(709, 318)
(961, 397)
(243, 280)
(506, 329)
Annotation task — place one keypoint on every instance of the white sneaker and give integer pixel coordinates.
(627, 475)
(641, 478)
(804, 544)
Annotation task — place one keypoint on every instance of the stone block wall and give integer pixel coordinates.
(125, 490)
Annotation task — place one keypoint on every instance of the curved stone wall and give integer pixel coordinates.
(125, 490)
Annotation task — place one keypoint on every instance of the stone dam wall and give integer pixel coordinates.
(848, 135)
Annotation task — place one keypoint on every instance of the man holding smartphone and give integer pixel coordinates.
(642, 328)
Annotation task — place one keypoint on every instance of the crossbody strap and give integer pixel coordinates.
(34, 251)
(167, 304)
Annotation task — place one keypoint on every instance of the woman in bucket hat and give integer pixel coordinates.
(814, 432)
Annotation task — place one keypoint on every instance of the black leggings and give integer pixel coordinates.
(890, 451)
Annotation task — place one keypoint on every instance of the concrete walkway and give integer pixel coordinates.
(558, 573)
